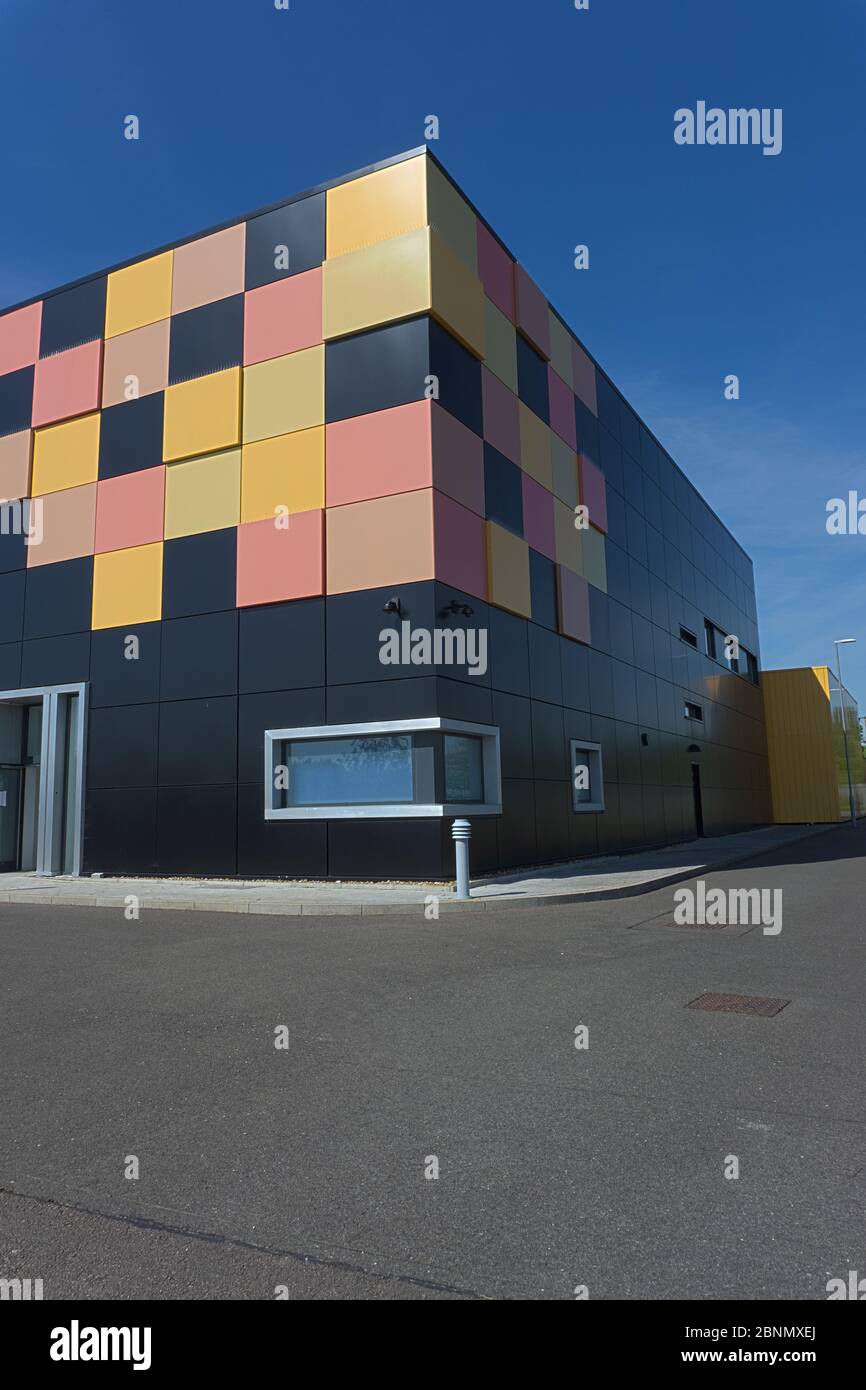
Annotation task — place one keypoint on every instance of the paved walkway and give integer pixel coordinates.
(582, 880)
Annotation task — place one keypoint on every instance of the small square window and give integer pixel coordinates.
(693, 711)
(587, 777)
(688, 637)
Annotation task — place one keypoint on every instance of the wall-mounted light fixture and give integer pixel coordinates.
(393, 605)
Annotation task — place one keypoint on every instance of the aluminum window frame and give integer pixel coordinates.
(596, 775)
(49, 845)
(403, 810)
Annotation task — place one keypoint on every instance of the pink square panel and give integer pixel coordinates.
(593, 492)
(460, 544)
(379, 454)
(19, 338)
(573, 599)
(67, 384)
(561, 409)
(284, 317)
(130, 510)
(538, 517)
(279, 562)
(533, 312)
(501, 416)
(458, 460)
(496, 271)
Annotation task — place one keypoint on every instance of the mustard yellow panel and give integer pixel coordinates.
(535, 449)
(451, 216)
(560, 350)
(202, 415)
(508, 571)
(138, 295)
(569, 540)
(377, 206)
(66, 455)
(458, 297)
(203, 494)
(500, 346)
(287, 472)
(594, 561)
(127, 586)
(388, 281)
(284, 395)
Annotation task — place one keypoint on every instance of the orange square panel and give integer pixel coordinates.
(385, 541)
(65, 525)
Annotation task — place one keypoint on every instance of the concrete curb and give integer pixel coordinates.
(447, 903)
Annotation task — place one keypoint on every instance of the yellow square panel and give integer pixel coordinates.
(138, 295)
(202, 415)
(127, 586)
(287, 472)
(66, 455)
(535, 448)
(377, 206)
(560, 350)
(284, 395)
(451, 216)
(458, 297)
(203, 494)
(594, 559)
(378, 284)
(500, 347)
(508, 571)
(569, 539)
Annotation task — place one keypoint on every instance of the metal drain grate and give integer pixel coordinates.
(739, 1004)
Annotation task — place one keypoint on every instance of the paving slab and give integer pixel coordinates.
(579, 881)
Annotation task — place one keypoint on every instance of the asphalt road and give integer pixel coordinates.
(304, 1168)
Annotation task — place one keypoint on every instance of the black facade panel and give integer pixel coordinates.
(532, 379)
(12, 606)
(199, 657)
(542, 588)
(282, 646)
(124, 665)
(377, 370)
(13, 545)
(10, 664)
(207, 339)
(458, 378)
(285, 242)
(130, 436)
(59, 598)
(120, 831)
(278, 849)
(56, 660)
(199, 574)
(386, 849)
(73, 317)
(198, 742)
(122, 746)
(197, 830)
(503, 490)
(16, 401)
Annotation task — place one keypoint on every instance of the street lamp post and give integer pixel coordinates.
(842, 642)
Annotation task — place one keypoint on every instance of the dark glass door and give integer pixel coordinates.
(696, 792)
(10, 817)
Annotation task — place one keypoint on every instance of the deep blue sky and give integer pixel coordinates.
(559, 125)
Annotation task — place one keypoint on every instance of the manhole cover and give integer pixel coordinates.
(739, 1004)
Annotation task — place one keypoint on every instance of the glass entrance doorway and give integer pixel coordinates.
(42, 779)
